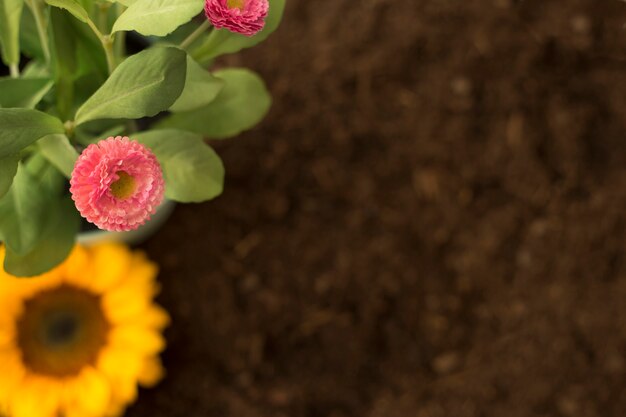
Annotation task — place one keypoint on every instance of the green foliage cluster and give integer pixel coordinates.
(72, 83)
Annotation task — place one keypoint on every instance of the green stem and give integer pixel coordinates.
(120, 37)
(37, 8)
(107, 45)
(195, 35)
(15, 70)
(95, 29)
(119, 47)
(132, 126)
(103, 16)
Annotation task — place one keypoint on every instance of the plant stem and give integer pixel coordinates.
(119, 47)
(120, 37)
(107, 45)
(42, 29)
(95, 29)
(132, 126)
(15, 70)
(195, 35)
(103, 16)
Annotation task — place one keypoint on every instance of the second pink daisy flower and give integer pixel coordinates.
(117, 184)
(246, 17)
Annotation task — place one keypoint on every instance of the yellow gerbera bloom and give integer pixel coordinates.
(76, 341)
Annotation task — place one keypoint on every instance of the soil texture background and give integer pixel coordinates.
(431, 222)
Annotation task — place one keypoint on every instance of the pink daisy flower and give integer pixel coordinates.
(240, 16)
(117, 184)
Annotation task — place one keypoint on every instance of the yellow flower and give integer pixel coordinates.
(76, 341)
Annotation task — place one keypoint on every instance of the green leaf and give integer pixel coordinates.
(23, 212)
(29, 36)
(23, 92)
(8, 168)
(242, 103)
(201, 88)
(10, 15)
(143, 85)
(90, 56)
(47, 175)
(193, 171)
(157, 17)
(96, 131)
(71, 6)
(64, 50)
(58, 150)
(35, 69)
(57, 241)
(221, 42)
(21, 127)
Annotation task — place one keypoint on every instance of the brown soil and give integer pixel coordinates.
(431, 222)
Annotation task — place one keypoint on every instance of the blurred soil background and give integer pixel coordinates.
(430, 223)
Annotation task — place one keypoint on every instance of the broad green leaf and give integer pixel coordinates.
(71, 6)
(10, 15)
(157, 17)
(8, 168)
(221, 42)
(35, 69)
(21, 127)
(58, 150)
(96, 131)
(193, 171)
(60, 229)
(64, 51)
(30, 42)
(23, 92)
(79, 65)
(89, 6)
(143, 85)
(47, 175)
(91, 59)
(201, 88)
(242, 103)
(23, 212)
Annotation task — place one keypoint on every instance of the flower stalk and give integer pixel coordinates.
(203, 28)
(107, 44)
(15, 70)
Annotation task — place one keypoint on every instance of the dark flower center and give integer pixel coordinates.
(61, 330)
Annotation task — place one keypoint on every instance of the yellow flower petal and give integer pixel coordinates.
(123, 392)
(36, 397)
(137, 339)
(109, 265)
(7, 329)
(12, 373)
(122, 363)
(115, 409)
(76, 269)
(132, 297)
(123, 305)
(153, 317)
(89, 393)
(151, 372)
